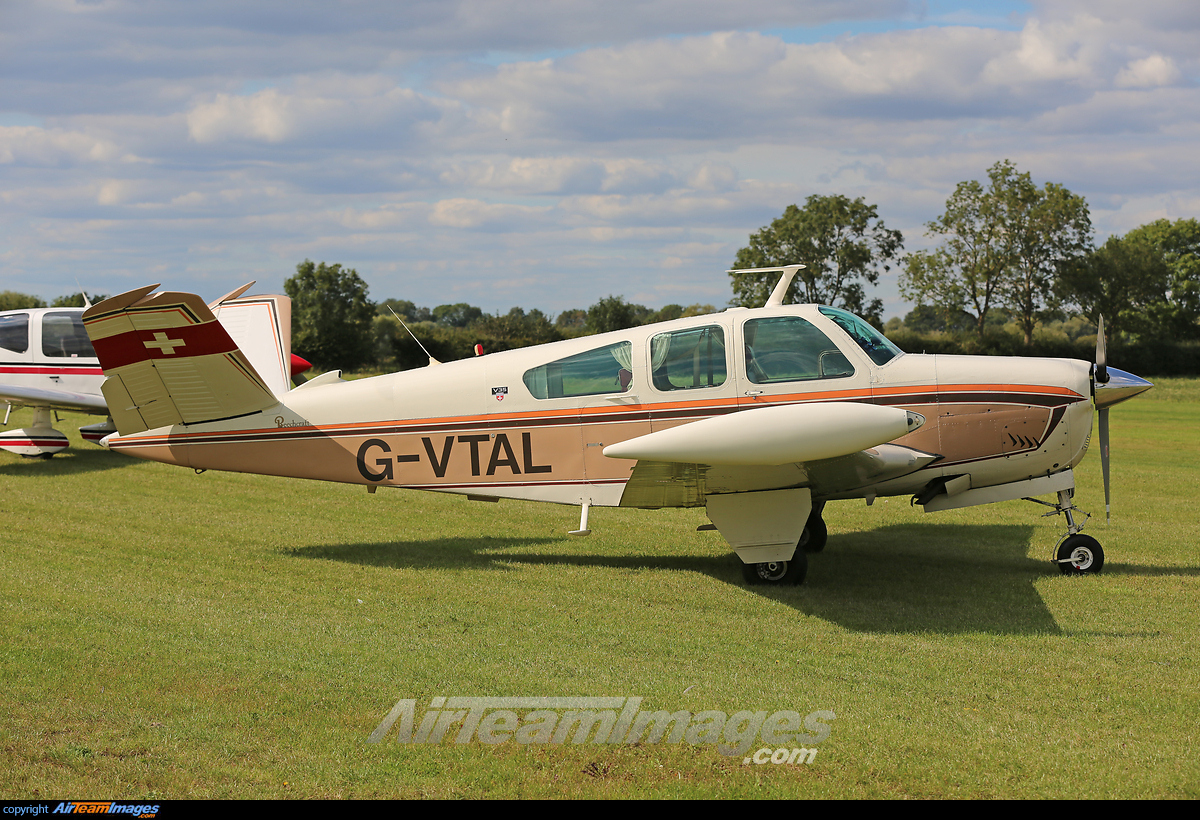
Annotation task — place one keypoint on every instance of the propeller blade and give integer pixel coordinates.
(1104, 462)
(1101, 354)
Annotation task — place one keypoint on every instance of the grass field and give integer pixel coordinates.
(172, 635)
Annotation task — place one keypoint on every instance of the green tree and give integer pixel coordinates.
(1123, 280)
(571, 320)
(11, 300)
(614, 313)
(331, 316)
(929, 319)
(1177, 313)
(78, 299)
(405, 309)
(457, 315)
(515, 329)
(668, 312)
(843, 243)
(1003, 245)
(1054, 234)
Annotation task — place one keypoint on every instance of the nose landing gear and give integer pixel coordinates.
(1076, 553)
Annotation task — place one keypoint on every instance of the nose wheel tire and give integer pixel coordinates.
(1080, 555)
(777, 573)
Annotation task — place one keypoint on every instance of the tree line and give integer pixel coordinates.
(11, 300)
(336, 326)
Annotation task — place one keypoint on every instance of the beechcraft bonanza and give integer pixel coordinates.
(761, 416)
(47, 363)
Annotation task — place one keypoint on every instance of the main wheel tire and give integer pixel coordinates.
(777, 573)
(816, 534)
(1080, 555)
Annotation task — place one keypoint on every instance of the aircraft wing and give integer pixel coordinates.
(831, 447)
(53, 399)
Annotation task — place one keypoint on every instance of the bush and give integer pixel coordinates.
(1149, 358)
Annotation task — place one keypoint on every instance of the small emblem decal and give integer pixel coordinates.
(164, 345)
(499, 393)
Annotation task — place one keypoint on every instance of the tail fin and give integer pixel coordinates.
(261, 327)
(169, 361)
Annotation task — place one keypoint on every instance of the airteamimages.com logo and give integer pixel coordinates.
(785, 736)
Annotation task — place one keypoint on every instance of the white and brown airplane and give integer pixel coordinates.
(47, 363)
(761, 416)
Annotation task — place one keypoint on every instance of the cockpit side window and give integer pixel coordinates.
(63, 336)
(14, 332)
(688, 359)
(790, 349)
(603, 370)
(874, 344)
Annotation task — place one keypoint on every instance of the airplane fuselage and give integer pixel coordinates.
(534, 423)
(47, 363)
(47, 349)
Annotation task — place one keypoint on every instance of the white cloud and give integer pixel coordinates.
(474, 214)
(1149, 72)
(752, 87)
(266, 116)
(113, 192)
(333, 110)
(49, 147)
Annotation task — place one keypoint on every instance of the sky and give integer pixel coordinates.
(549, 153)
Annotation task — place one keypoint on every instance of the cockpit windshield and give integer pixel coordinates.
(873, 343)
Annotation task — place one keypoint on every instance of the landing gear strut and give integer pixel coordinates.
(1076, 554)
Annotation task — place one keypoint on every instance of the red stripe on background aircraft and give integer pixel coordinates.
(761, 416)
(48, 363)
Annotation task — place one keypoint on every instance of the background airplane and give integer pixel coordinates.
(47, 363)
(762, 416)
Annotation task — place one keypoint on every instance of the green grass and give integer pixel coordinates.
(171, 635)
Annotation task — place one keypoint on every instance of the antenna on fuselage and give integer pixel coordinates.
(87, 303)
(432, 361)
(781, 287)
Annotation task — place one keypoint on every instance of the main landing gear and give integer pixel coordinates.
(778, 573)
(1076, 554)
(792, 572)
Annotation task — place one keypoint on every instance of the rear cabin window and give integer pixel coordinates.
(14, 332)
(688, 359)
(63, 336)
(603, 370)
(790, 349)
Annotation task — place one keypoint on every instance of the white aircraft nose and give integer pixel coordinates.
(1119, 387)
